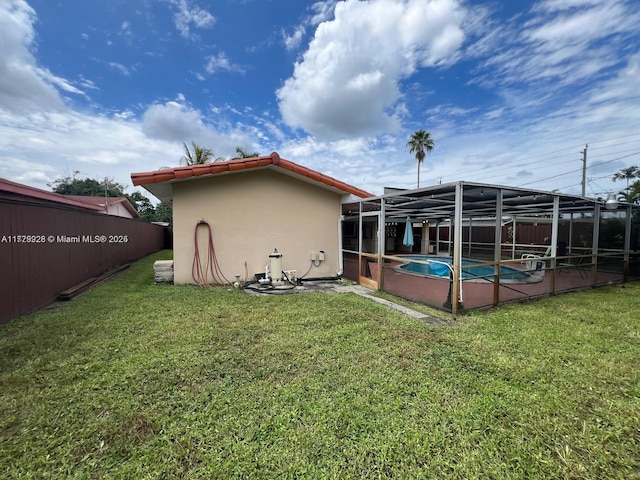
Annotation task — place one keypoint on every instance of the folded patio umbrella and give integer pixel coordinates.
(408, 234)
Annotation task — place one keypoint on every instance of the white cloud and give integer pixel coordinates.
(564, 42)
(366, 162)
(189, 15)
(177, 122)
(218, 62)
(172, 121)
(356, 79)
(61, 83)
(293, 41)
(347, 82)
(118, 67)
(626, 84)
(21, 170)
(322, 11)
(495, 113)
(50, 143)
(124, 115)
(32, 177)
(125, 30)
(87, 84)
(23, 84)
(554, 5)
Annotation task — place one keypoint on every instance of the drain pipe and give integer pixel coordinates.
(340, 261)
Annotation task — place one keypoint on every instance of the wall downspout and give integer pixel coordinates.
(340, 260)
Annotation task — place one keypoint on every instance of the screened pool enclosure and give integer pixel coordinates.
(485, 244)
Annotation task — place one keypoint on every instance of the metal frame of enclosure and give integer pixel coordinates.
(555, 242)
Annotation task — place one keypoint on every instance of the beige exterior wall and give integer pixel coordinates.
(250, 214)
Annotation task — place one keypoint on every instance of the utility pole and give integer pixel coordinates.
(584, 169)
(106, 198)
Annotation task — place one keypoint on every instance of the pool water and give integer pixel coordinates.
(440, 270)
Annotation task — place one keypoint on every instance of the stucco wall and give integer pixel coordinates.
(250, 214)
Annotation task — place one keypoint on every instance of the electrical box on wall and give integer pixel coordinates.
(317, 256)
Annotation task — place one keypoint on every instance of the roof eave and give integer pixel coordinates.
(152, 181)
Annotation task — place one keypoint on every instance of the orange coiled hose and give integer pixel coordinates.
(200, 275)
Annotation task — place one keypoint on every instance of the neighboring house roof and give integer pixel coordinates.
(111, 202)
(159, 182)
(21, 190)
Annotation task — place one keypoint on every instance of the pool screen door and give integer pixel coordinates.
(369, 274)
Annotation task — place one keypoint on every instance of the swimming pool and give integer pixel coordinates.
(439, 266)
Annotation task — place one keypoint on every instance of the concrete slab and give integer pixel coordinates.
(367, 293)
(334, 286)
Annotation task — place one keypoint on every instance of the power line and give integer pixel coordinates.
(616, 138)
(619, 158)
(511, 166)
(578, 170)
(616, 144)
(592, 180)
(517, 167)
(501, 168)
(506, 166)
(550, 178)
(608, 154)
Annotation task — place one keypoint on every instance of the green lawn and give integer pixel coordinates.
(134, 380)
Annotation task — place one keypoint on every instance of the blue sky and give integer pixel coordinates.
(510, 91)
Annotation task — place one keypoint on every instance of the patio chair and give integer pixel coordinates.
(581, 265)
(534, 261)
(567, 265)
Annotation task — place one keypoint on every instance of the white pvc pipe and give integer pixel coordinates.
(340, 262)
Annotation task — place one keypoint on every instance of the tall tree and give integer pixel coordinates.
(627, 174)
(70, 185)
(242, 153)
(163, 213)
(89, 187)
(197, 156)
(632, 195)
(143, 206)
(420, 143)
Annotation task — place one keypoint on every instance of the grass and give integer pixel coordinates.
(134, 380)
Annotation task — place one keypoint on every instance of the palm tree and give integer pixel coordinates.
(634, 193)
(420, 143)
(242, 153)
(626, 174)
(198, 156)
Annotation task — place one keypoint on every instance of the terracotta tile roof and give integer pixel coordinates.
(183, 173)
(32, 192)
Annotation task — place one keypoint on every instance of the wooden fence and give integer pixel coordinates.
(46, 248)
